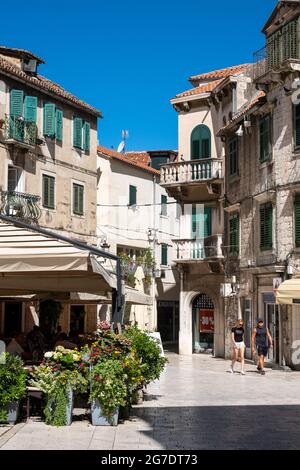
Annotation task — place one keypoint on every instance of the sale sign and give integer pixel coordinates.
(206, 321)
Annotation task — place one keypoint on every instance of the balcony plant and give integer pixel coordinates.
(12, 386)
(62, 373)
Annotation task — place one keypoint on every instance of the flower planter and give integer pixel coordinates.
(12, 412)
(69, 407)
(137, 397)
(98, 418)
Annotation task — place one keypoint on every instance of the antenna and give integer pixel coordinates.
(122, 144)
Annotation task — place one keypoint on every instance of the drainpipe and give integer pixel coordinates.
(117, 295)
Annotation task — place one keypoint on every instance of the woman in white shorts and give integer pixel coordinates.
(237, 335)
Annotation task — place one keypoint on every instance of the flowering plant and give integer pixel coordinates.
(61, 370)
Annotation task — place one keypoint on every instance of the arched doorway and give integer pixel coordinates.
(203, 324)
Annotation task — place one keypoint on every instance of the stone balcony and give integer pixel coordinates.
(193, 180)
(24, 207)
(197, 250)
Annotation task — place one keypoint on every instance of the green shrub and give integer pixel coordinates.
(12, 382)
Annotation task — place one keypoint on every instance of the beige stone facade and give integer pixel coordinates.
(24, 162)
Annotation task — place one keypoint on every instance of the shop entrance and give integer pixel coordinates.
(272, 321)
(203, 324)
(168, 321)
(12, 319)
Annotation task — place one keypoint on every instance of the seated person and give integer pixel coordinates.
(64, 341)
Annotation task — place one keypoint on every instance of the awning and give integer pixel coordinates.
(135, 297)
(31, 263)
(289, 292)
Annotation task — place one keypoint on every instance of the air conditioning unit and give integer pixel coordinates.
(226, 290)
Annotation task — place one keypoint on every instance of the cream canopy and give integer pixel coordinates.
(289, 292)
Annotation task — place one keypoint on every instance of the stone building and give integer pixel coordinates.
(48, 168)
(135, 216)
(196, 181)
(262, 193)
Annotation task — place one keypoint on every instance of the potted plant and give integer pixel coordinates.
(108, 391)
(12, 387)
(61, 374)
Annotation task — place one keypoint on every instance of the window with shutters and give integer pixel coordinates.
(201, 143)
(233, 157)
(48, 191)
(53, 122)
(297, 126)
(81, 134)
(132, 195)
(234, 234)
(59, 125)
(201, 221)
(164, 254)
(78, 199)
(266, 226)
(265, 144)
(164, 205)
(22, 118)
(297, 220)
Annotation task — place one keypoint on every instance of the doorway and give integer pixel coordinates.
(12, 318)
(77, 320)
(168, 321)
(203, 324)
(272, 322)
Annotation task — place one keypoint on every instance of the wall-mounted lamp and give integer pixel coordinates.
(240, 131)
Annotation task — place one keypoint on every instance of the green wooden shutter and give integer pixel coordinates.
(78, 195)
(164, 207)
(49, 120)
(297, 126)
(16, 102)
(48, 191)
(297, 220)
(59, 125)
(266, 226)
(86, 136)
(265, 138)
(195, 150)
(233, 157)
(164, 254)
(207, 221)
(30, 108)
(201, 222)
(132, 195)
(77, 132)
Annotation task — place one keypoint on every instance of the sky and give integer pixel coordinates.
(129, 58)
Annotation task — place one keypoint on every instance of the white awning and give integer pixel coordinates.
(31, 263)
(289, 292)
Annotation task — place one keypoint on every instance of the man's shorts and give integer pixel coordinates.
(262, 350)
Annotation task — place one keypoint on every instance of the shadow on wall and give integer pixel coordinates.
(222, 427)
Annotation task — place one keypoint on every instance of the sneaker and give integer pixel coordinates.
(258, 369)
(243, 372)
(231, 370)
(262, 372)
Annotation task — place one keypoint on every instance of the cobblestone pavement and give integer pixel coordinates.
(197, 404)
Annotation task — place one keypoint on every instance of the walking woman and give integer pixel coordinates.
(237, 335)
(262, 339)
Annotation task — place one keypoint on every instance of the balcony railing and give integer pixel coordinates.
(21, 206)
(191, 171)
(20, 131)
(198, 249)
(281, 47)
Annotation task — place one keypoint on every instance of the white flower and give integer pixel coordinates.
(48, 354)
(76, 357)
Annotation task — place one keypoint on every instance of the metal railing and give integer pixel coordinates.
(280, 47)
(198, 249)
(191, 171)
(24, 207)
(19, 130)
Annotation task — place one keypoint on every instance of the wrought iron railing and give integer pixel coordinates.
(191, 171)
(20, 205)
(280, 47)
(19, 130)
(198, 249)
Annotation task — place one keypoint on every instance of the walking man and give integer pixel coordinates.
(262, 340)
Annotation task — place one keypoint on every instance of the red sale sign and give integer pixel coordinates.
(206, 321)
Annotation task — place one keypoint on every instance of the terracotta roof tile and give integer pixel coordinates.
(125, 159)
(139, 157)
(243, 111)
(200, 89)
(221, 73)
(46, 85)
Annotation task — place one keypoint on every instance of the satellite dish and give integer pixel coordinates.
(122, 144)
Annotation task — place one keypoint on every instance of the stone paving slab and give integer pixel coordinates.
(197, 404)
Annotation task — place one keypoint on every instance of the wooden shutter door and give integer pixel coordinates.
(49, 119)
